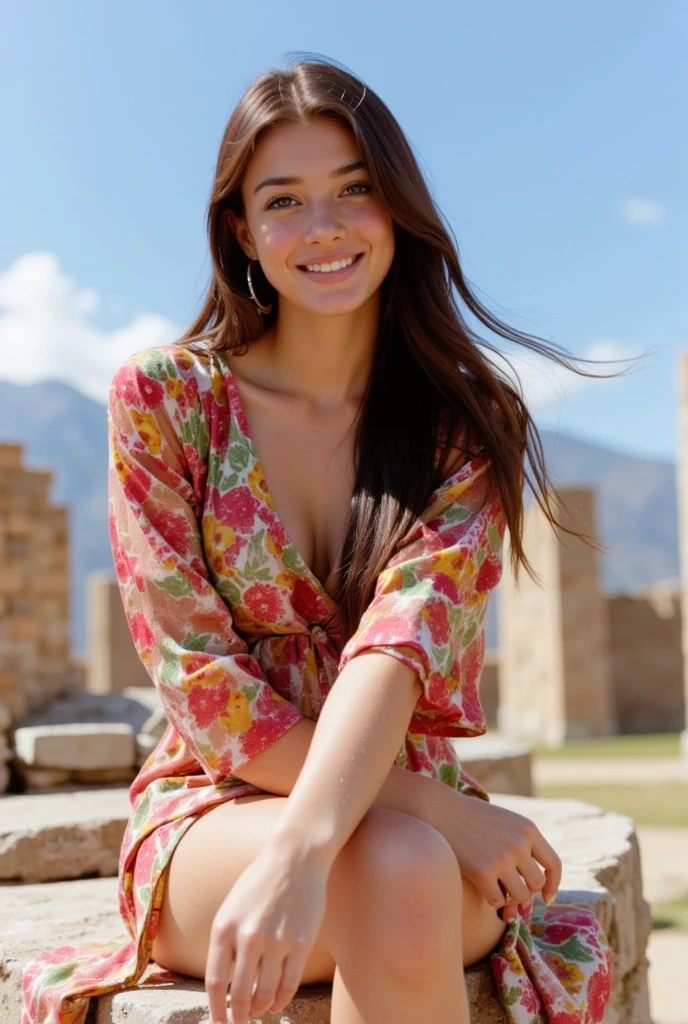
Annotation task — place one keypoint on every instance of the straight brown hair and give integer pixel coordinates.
(427, 363)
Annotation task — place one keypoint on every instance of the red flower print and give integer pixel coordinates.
(236, 506)
(599, 992)
(306, 602)
(438, 621)
(206, 703)
(173, 526)
(489, 574)
(136, 484)
(137, 389)
(263, 601)
(443, 584)
(142, 634)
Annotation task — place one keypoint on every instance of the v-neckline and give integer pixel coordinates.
(246, 431)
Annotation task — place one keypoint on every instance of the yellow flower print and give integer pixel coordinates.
(566, 971)
(174, 387)
(451, 684)
(256, 483)
(514, 961)
(217, 534)
(191, 663)
(218, 388)
(170, 563)
(285, 578)
(273, 547)
(238, 718)
(147, 430)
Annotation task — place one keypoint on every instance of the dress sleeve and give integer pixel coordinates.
(213, 691)
(430, 600)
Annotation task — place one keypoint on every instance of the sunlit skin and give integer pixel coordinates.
(323, 341)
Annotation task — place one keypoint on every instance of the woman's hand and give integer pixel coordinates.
(499, 850)
(262, 933)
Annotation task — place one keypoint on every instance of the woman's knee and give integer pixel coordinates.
(398, 884)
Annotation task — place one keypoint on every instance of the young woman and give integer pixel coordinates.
(308, 499)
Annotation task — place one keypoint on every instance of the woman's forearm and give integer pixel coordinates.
(349, 765)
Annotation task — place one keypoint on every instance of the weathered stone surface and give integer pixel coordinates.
(77, 746)
(601, 871)
(498, 764)
(131, 708)
(61, 835)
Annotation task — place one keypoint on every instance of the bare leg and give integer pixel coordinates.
(399, 923)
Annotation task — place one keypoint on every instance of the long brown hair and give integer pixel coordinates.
(427, 359)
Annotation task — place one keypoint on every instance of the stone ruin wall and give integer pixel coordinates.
(35, 658)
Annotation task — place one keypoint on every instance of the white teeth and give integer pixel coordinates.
(326, 268)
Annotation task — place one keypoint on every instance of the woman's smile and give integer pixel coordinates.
(325, 276)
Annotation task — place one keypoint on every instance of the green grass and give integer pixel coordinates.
(650, 745)
(672, 914)
(646, 804)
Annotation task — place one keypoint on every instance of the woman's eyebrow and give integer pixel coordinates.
(298, 181)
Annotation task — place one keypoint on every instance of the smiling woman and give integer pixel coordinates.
(308, 496)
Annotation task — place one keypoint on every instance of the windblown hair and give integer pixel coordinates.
(427, 360)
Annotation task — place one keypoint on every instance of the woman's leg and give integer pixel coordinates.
(398, 920)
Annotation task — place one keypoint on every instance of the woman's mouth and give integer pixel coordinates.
(325, 276)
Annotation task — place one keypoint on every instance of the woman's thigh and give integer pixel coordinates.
(215, 851)
(209, 858)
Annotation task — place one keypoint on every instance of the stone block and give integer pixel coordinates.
(61, 835)
(498, 764)
(77, 746)
(601, 871)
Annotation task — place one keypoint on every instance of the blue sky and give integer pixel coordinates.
(552, 137)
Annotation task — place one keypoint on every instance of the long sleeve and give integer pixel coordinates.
(430, 600)
(213, 691)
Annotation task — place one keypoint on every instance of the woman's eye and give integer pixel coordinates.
(273, 204)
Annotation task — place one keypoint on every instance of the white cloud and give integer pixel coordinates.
(545, 383)
(637, 210)
(46, 330)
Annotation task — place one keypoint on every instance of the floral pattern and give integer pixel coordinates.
(242, 641)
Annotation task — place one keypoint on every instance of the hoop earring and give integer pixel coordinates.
(263, 309)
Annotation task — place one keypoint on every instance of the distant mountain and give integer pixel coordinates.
(65, 431)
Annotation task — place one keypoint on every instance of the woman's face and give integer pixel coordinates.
(316, 218)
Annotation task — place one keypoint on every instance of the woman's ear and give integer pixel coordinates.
(241, 233)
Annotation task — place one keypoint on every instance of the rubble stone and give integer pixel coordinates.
(77, 746)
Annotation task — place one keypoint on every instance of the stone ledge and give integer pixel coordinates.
(601, 871)
(497, 763)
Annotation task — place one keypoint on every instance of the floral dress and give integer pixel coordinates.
(242, 641)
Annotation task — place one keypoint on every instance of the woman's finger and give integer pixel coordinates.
(533, 875)
(288, 985)
(219, 969)
(516, 890)
(551, 862)
(269, 974)
(247, 958)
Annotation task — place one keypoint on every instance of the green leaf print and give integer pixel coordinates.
(156, 366)
(481, 556)
(239, 455)
(470, 633)
(456, 614)
(264, 574)
(290, 558)
(457, 514)
(510, 996)
(195, 432)
(57, 974)
(494, 538)
(142, 811)
(229, 590)
(176, 585)
(250, 692)
(572, 949)
(191, 642)
(228, 482)
(449, 774)
(525, 935)
(144, 894)
(214, 469)
(170, 658)
(408, 577)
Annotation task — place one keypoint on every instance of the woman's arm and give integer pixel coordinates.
(350, 761)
